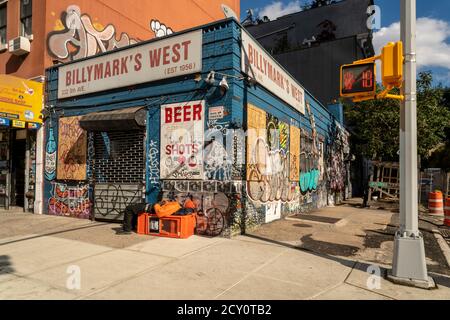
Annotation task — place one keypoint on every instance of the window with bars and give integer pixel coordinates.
(26, 18)
(3, 15)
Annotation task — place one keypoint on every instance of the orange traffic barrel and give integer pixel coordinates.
(447, 212)
(436, 203)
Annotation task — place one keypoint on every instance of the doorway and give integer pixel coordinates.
(18, 156)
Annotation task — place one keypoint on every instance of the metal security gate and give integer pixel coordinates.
(119, 172)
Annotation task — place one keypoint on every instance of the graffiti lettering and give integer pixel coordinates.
(153, 164)
(268, 179)
(112, 200)
(70, 201)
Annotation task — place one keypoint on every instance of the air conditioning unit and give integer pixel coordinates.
(19, 46)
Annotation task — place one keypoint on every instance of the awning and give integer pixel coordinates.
(117, 120)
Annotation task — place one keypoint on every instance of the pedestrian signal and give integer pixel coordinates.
(358, 80)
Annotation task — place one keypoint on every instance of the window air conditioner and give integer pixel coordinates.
(19, 46)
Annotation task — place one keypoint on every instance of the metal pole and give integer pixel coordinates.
(409, 264)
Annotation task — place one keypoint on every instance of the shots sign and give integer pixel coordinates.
(182, 137)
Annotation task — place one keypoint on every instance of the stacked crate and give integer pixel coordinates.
(179, 227)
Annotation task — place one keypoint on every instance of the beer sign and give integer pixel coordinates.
(182, 136)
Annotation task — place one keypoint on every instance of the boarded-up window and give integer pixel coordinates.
(72, 150)
(256, 141)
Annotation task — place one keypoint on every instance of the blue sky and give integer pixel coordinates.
(433, 36)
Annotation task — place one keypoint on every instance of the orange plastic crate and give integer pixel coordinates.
(142, 223)
(180, 227)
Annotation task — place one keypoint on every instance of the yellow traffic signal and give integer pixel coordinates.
(392, 65)
(357, 78)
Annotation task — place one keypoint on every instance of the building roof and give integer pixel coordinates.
(343, 19)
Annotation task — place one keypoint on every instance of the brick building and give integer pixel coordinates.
(36, 34)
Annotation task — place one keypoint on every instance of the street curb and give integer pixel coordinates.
(443, 245)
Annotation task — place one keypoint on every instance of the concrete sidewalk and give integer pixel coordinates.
(37, 255)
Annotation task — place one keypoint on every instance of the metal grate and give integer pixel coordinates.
(119, 157)
(445, 233)
(305, 217)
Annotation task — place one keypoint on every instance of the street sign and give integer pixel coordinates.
(33, 126)
(5, 122)
(358, 80)
(18, 124)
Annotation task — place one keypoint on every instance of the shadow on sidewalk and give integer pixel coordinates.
(440, 280)
(5, 265)
(52, 234)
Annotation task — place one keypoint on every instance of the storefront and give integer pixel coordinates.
(21, 103)
(204, 113)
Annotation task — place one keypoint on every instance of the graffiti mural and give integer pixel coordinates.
(70, 201)
(72, 150)
(153, 165)
(218, 202)
(77, 30)
(336, 163)
(294, 153)
(269, 168)
(160, 29)
(50, 155)
(111, 200)
(257, 120)
(80, 33)
(310, 157)
(271, 183)
(217, 162)
(309, 165)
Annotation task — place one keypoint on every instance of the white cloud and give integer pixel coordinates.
(432, 48)
(278, 9)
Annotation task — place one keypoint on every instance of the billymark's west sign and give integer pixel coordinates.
(266, 71)
(171, 57)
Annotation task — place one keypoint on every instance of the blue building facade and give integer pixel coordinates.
(218, 134)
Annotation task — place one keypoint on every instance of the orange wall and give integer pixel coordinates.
(52, 39)
(130, 17)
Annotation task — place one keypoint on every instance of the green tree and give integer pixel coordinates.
(376, 123)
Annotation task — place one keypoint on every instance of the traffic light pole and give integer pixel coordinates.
(409, 264)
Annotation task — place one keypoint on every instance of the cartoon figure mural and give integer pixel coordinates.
(89, 38)
(160, 29)
(80, 33)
